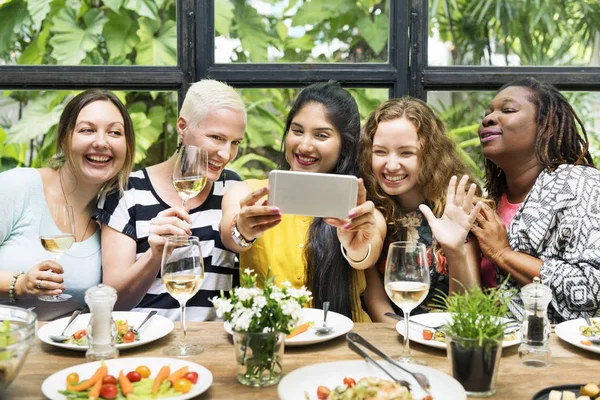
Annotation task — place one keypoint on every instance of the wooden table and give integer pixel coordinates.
(570, 364)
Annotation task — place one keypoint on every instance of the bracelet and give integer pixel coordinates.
(11, 287)
(237, 236)
(352, 261)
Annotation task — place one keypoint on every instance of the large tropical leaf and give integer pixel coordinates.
(71, 42)
(39, 116)
(114, 5)
(147, 130)
(12, 16)
(315, 11)
(158, 45)
(35, 51)
(375, 31)
(38, 9)
(120, 34)
(252, 32)
(223, 16)
(144, 8)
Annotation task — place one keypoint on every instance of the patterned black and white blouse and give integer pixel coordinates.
(559, 223)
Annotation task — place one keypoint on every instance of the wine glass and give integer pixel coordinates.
(57, 235)
(407, 282)
(190, 172)
(182, 271)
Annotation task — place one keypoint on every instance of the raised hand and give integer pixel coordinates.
(491, 234)
(452, 228)
(357, 232)
(174, 221)
(255, 217)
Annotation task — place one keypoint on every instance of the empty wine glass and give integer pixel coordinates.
(182, 271)
(57, 229)
(407, 282)
(190, 172)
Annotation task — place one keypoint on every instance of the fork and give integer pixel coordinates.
(400, 318)
(152, 313)
(354, 339)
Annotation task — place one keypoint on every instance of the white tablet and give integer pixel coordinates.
(313, 194)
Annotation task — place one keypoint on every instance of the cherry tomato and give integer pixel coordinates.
(323, 392)
(349, 382)
(79, 334)
(143, 371)
(134, 376)
(182, 385)
(427, 334)
(128, 337)
(192, 377)
(109, 380)
(73, 378)
(109, 391)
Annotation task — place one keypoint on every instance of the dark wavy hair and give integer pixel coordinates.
(558, 140)
(328, 274)
(438, 159)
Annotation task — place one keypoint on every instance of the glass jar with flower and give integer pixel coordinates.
(260, 320)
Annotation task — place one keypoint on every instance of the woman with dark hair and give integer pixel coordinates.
(410, 167)
(321, 135)
(539, 171)
(95, 148)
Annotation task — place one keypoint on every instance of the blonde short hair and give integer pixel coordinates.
(208, 95)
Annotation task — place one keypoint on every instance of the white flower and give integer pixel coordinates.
(290, 307)
(298, 293)
(247, 293)
(259, 302)
(248, 271)
(277, 295)
(242, 319)
(222, 306)
(286, 284)
(267, 329)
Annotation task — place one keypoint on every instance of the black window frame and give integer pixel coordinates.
(407, 71)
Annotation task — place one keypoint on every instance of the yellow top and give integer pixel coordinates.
(282, 248)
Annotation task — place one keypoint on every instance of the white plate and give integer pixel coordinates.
(415, 332)
(569, 332)
(157, 327)
(57, 381)
(340, 324)
(306, 380)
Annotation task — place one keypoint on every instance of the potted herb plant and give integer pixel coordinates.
(474, 336)
(260, 320)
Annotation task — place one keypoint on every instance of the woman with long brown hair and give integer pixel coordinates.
(410, 168)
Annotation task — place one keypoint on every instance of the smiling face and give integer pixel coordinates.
(508, 130)
(313, 144)
(98, 145)
(220, 133)
(395, 161)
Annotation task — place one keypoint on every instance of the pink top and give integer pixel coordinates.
(506, 212)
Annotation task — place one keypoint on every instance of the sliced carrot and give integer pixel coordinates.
(299, 329)
(427, 334)
(180, 373)
(98, 375)
(586, 343)
(160, 378)
(126, 386)
(95, 392)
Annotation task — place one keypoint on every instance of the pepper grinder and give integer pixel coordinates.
(101, 331)
(534, 350)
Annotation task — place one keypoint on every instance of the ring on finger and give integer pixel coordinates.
(38, 284)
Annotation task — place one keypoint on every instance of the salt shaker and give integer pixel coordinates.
(534, 350)
(101, 331)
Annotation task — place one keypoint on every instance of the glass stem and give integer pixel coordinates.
(406, 352)
(183, 322)
(183, 203)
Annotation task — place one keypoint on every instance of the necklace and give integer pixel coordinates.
(67, 201)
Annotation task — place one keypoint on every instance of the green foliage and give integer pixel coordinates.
(478, 313)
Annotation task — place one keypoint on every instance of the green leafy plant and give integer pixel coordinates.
(478, 313)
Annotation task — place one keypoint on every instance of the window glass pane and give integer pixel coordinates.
(301, 31)
(28, 122)
(514, 33)
(267, 111)
(88, 32)
(462, 113)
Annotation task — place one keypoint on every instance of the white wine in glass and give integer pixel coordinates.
(407, 282)
(190, 172)
(182, 272)
(57, 236)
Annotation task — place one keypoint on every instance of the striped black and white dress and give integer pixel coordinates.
(131, 215)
